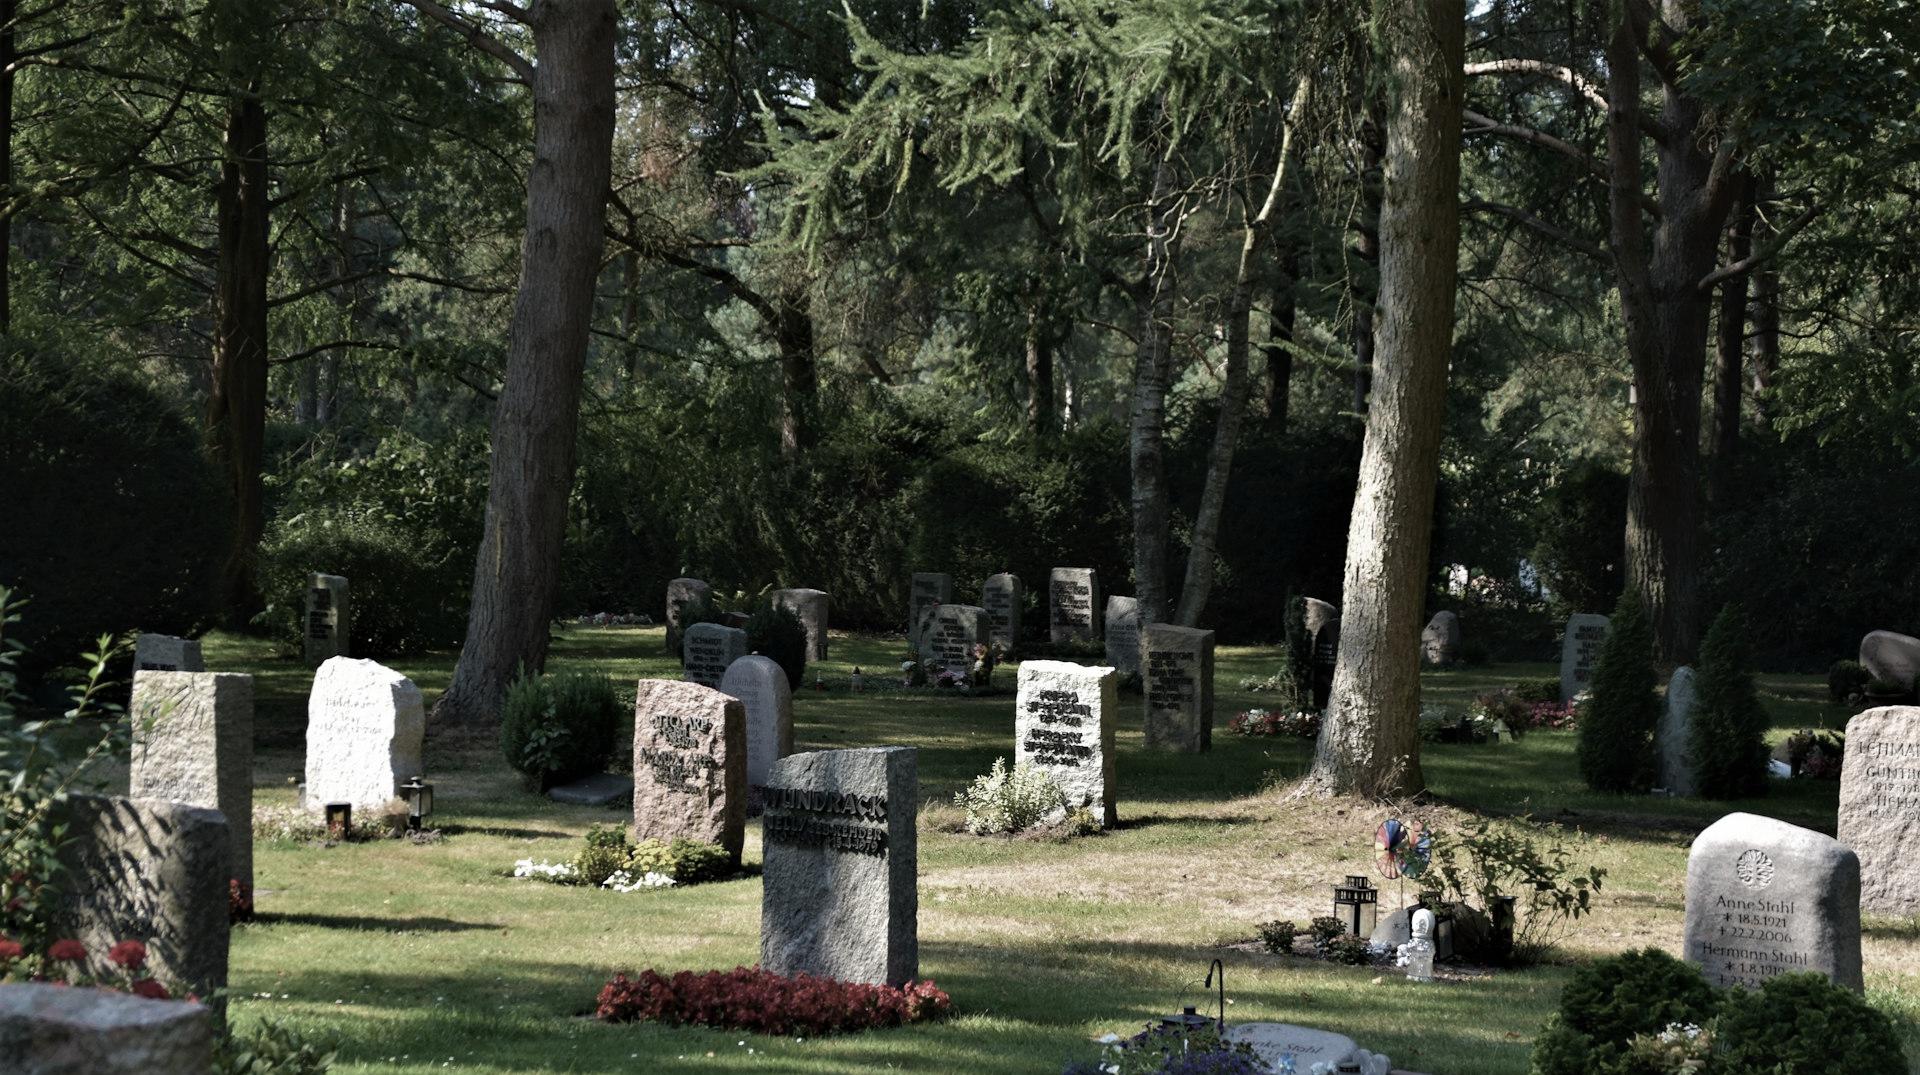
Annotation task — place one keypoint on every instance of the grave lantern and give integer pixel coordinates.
(419, 802)
(339, 821)
(1357, 905)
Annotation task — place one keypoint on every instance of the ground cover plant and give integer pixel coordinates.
(417, 958)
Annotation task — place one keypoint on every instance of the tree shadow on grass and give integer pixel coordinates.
(368, 922)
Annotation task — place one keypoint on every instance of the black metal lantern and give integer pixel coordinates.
(419, 802)
(1357, 905)
(339, 821)
(1188, 1021)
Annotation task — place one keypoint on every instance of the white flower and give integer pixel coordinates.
(546, 871)
(624, 881)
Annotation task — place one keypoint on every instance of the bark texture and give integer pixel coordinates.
(1370, 742)
(237, 404)
(517, 572)
(1040, 407)
(1730, 339)
(1152, 373)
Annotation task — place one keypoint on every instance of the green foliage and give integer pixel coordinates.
(776, 632)
(1798, 1024)
(1003, 801)
(1349, 949)
(1324, 929)
(271, 1048)
(1617, 724)
(1847, 680)
(397, 599)
(1729, 733)
(1278, 936)
(1534, 691)
(1538, 864)
(558, 728)
(1581, 555)
(686, 861)
(1299, 652)
(606, 852)
(1610, 1001)
(115, 520)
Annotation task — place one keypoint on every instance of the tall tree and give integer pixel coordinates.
(1370, 741)
(516, 575)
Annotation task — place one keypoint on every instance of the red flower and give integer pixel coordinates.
(67, 951)
(150, 989)
(10, 950)
(129, 954)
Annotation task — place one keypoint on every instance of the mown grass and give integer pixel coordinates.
(419, 958)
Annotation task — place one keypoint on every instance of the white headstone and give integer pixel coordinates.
(193, 744)
(1765, 898)
(1674, 738)
(948, 634)
(365, 726)
(1073, 604)
(1580, 652)
(1063, 723)
(929, 588)
(1179, 688)
(1123, 634)
(710, 649)
(1880, 807)
(1273, 1041)
(761, 685)
(1001, 595)
(165, 653)
(328, 619)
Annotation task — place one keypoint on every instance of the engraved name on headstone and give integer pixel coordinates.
(1179, 688)
(710, 649)
(1880, 807)
(1765, 898)
(1063, 723)
(1073, 601)
(1580, 652)
(1001, 595)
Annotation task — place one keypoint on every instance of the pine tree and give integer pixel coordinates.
(1617, 725)
(1728, 737)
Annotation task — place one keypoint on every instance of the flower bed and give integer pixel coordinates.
(748, 998)
(65, 963)
(1304, 723)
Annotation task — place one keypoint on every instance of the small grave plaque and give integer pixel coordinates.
(710, 649)
(689, 764)
(839, 894)
(1001, 595)
(1765, 898)
(1123, 635)
(1073, 596)
(1580, 652)
(1063, 723)
(1179, 688)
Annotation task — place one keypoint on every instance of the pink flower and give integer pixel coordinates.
(150, 989)
(67, 951)
(129, 954)
(10, 950)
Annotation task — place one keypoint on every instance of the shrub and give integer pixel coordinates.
(1618, 722)
(1799, 1024)
(556, 729)
(1324, 929)
(1611, 1001)
(1538, 690)
(763, 1002)
(1349, 949)
(398, 598)
(271, 1048)
(1304, 723)
(686, 861)
(1728, 739)
(606, 853)
(1278, 936)
(1816, 753)
(1847, 680)
(1536, 865)
(1003, 801)
(775, 632)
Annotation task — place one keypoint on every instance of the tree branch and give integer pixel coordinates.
(1560, 235)
(1484, 125)
(1574, 80)
(1765, 253)
(478, 37)
(333, 345)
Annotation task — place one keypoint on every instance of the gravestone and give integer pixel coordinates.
(1440, 642)
(1326, 657)
(1063, 723)
(1272, 1041)
(193, 744)
(948, 634)
(929, 588)
(840, 895)
(680, 594)
(1580, 652)
(689, 764)
(1179, 688)
(1073, 596)
(1318, 614)
(55, 1030)
(328, 618)
(1123, 635)
(810, 607)
(710, 649)
(761, 685)
(1891, 656)
(1673, 739)
(1880, 807)
(1001, 595)
(156, 872)
(365, 725)
(165, 653)
(1765, 898)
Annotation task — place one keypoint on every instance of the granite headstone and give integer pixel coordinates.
(689, 764)
(1580, 653)
(1674, 738)
(328, 618)
(929, 588)
(1063, 717)
(948, 634)
(1891, 656)
(193, 744)
(710, 649)
(810, 607)
(165, 653)
(1179, 688)
(56, 1030)
(1123, 635)
(1880, 807)
(1765, 898)
(681, 593)
(761, 685)
(1440, 642)
(1002, 596)
(1073, 604)
(365, 729)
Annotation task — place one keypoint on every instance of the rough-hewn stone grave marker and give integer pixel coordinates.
(689, 764)
(929, 588)
(1880, 807)
(1073, 604)
(1063, 723)
(365, 726)
(948, 634)
(1765, 897)
(1002, 596)
(1580, 652)
(1179, 688)
(158, 872)
(680, 594)
(1891, 656)
(1323, 629)
(710, 649)
(840, 897)
(810, 607)
(193, 744)
(761, 685)
(1440, 642)
(1674, 737)
(1123, 635)
(328, 618)
(165, 653)
(55, 1030)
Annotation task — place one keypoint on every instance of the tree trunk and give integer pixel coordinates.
(1764, 314)
(1040, 407)
(9, 11)
(1152, 374)
(237, 405)
(1363, 284)
(799, 379)
(1730, 338)
(1370, 741)
(1278, 349)
(517, 573)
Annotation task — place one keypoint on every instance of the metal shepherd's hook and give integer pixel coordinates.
(1221, 969)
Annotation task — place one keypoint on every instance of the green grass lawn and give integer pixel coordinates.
(431, 957)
